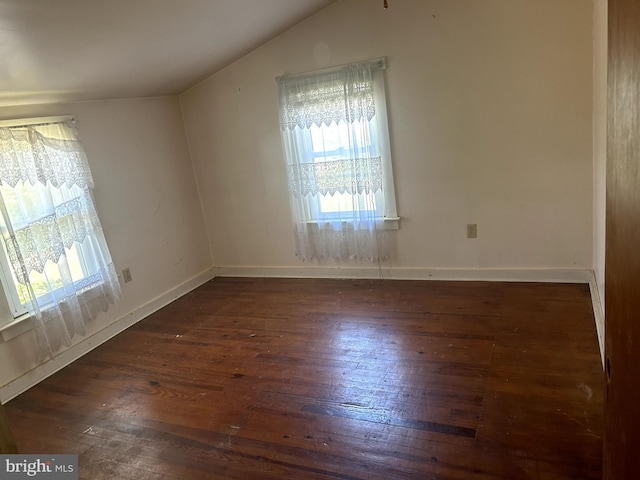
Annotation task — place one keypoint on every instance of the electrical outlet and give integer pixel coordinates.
(472, 230)
(126, 275)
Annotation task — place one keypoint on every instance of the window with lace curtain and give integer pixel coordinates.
(338, 161)
(54, 262)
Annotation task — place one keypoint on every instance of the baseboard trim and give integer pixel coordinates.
(32, 377)
(560, 275)
(598, 313)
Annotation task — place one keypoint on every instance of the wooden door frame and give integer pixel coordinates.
(621, 459)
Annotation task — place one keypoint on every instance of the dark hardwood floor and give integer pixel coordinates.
(316, 379)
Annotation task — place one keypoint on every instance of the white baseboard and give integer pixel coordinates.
(598, 313)
(560, 275)
(32, 377)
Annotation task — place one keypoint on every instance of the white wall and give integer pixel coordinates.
(490, 107)
(146, 197)
(599, 158)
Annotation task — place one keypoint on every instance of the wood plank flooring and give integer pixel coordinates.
(335, 379)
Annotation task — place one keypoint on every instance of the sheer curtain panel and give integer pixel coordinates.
(56, 265)
(335, 139)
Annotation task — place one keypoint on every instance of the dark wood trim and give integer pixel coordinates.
(622, 270)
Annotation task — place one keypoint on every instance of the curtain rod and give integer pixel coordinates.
(381, 63)
(24, 122)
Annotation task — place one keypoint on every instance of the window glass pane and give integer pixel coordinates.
(346, 202)
(336, 203)
(39, 280)
(338, 141)
(332, 140)
(26, 203)
(76, 263)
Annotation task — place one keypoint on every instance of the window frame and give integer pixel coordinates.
(388, 211)
(9, 287)
(14, 315)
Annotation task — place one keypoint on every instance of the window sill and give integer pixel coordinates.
(389, 223)
(24, 322)
(16, 327)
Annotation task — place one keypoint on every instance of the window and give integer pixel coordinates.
(331, 149)
(29, 218)
(55, 266)
(339, 171)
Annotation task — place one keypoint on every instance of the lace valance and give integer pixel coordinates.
(345, 94)
(28, 154)
(360, 175)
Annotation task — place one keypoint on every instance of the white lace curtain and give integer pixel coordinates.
(334, 168)
(56, 253)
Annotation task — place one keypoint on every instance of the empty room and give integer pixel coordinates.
(265, 239)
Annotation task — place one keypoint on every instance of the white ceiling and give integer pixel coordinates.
(68, 50)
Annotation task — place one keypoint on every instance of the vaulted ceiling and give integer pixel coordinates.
(71, 50)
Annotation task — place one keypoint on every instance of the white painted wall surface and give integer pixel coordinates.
(490, 107)
(147, 201)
